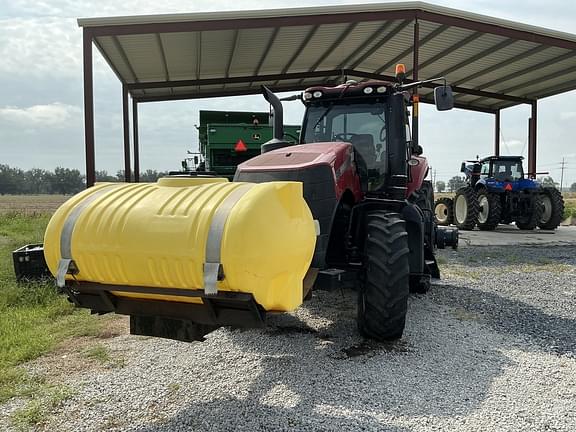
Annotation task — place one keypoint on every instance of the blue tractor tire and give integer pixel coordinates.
(530, 220)
(489, 210)
(553, 208)
(465, 208)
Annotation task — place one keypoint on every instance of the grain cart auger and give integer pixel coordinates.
(185, 256)
(497, 191)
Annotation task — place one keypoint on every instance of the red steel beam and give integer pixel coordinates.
(532, 138)
(415, 97)
(497, 133)
(136, 139)
(335, 18)
(246, 23)
(89, 108)
(126, 129)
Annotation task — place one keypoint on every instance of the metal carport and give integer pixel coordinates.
(491, 63)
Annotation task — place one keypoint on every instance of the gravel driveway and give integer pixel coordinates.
(491, 347)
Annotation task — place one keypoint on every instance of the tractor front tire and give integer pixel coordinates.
(489, 210)
(552, 208)
(444, 211)
(384, 290)
(465, 208)
(530, 221)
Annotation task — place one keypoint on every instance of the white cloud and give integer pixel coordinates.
(40, 48)
(55, 115)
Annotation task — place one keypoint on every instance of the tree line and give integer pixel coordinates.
(63, 181)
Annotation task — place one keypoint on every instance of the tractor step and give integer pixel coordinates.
(331, 279)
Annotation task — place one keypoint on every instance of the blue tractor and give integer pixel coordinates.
(497, 191)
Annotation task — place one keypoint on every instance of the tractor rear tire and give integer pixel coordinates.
(552, 208)
(530, 222)
(489, 210)
(444, 211)
(384, 288)
(465, 208)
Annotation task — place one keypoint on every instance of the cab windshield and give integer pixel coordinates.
(361, 124)
(507, 170)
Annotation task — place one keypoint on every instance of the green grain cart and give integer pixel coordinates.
(228, 138)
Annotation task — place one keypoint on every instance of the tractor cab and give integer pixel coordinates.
(494, 169)
(359, 114)
(502, 168)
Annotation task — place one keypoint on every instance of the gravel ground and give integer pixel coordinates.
(491, 347)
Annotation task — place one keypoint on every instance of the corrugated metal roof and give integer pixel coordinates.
(492, 63)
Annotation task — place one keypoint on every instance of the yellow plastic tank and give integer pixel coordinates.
(156, 235)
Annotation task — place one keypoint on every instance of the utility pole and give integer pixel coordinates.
(562, 174)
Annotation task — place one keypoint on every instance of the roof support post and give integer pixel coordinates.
(497, 133)
(126, 129)
(135, 138)
(532, 139)
(88, 108)
(415, 96)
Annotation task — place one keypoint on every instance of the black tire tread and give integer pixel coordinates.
(472, 215)
(530, 222)
(383, 296)
(557, 201)
(494, 210)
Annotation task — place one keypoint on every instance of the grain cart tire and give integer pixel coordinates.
(465, 208)
(552, 208)
(384, 287)
(444, 211)
(489, 210)
(530, 221)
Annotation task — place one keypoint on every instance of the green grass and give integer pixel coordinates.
(36, 411)
(569, 207)
(98, 353)
(33, 317)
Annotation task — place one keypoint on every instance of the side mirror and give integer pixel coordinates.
(443, 98)
(463, 167)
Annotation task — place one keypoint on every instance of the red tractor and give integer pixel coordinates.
(364, 182)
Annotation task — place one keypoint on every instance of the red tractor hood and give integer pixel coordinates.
(299, 156)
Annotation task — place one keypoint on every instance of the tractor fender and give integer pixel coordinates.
(480, 184)
(418, 171)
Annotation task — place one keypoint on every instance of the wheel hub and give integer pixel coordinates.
(547, 212)
(441, 212)
(484, 209)
(460, 209)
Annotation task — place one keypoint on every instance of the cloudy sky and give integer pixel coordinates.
(41, 121)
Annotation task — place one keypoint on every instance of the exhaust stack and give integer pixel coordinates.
(278, 125)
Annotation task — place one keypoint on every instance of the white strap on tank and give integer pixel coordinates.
(213, 271)
(66, 265)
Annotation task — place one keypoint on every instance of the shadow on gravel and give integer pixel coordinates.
(333, 380)
(552, 333)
